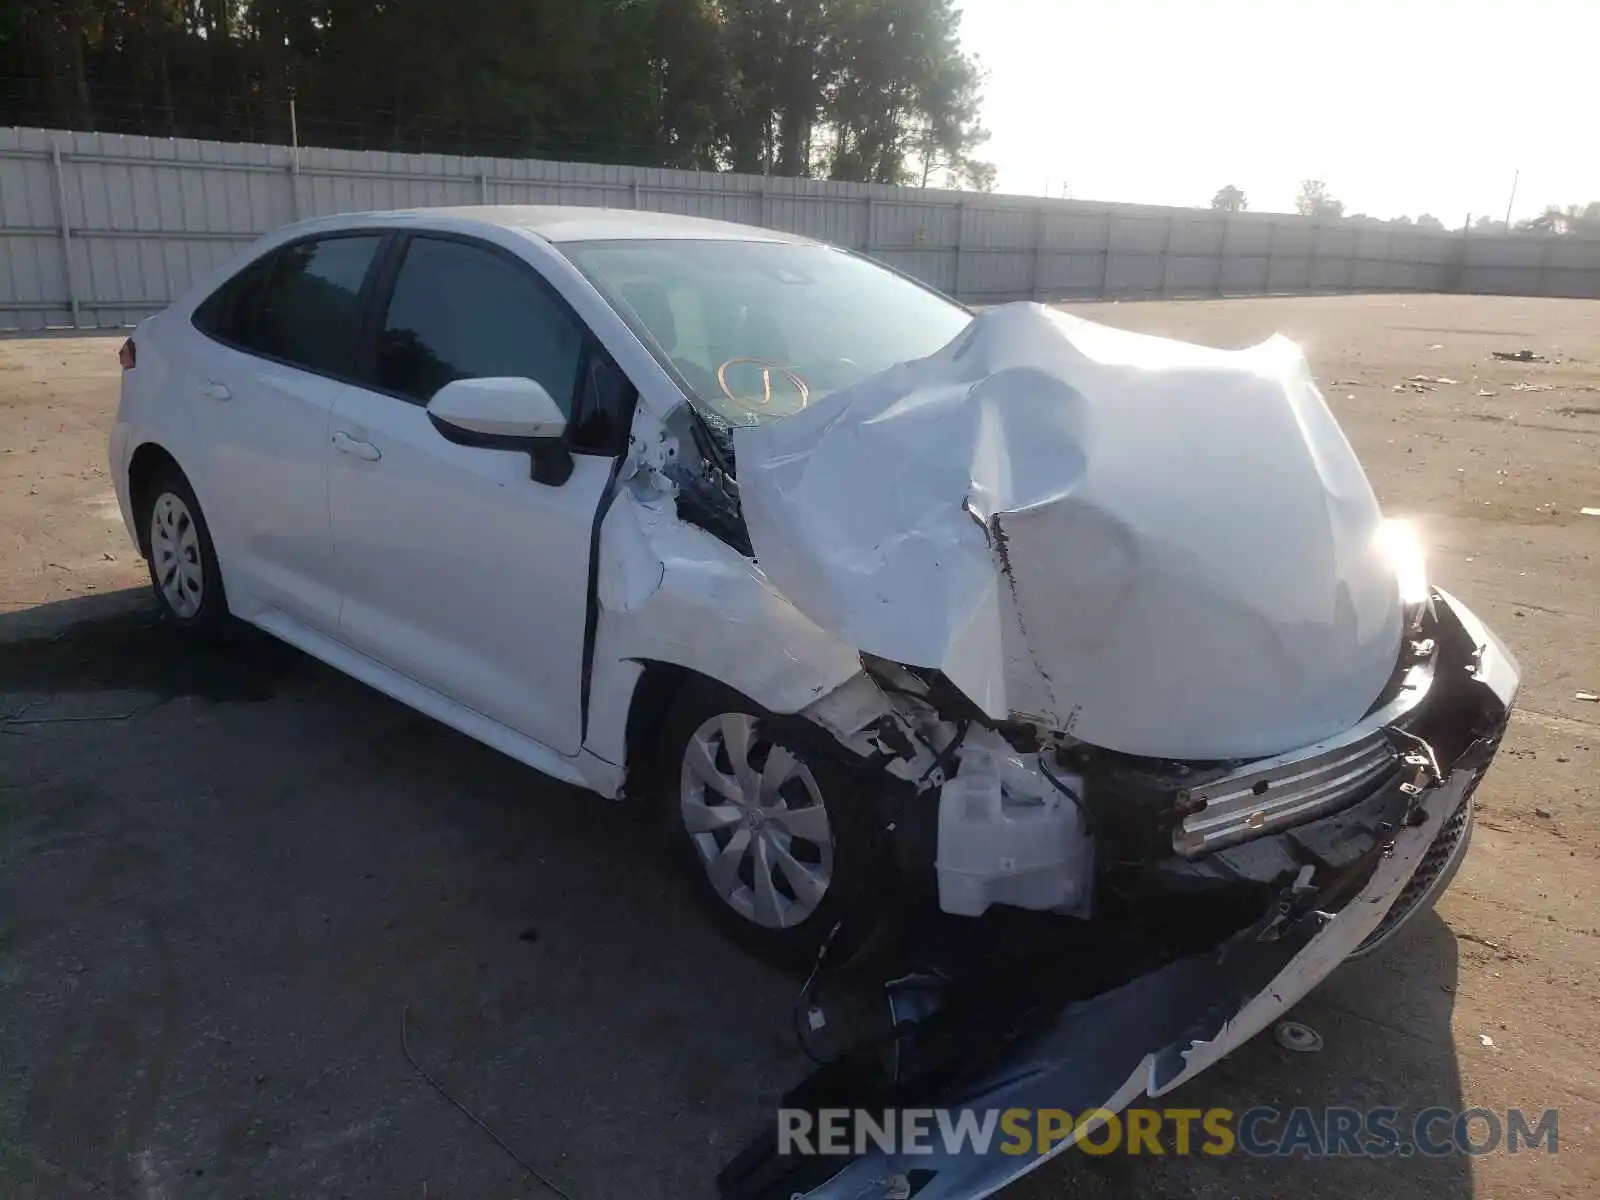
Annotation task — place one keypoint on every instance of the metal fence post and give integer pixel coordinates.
(1038, 251)
(1222, 252)
(1272, 244)
(961, 233)
(66, 233)
(866, 234)
(1105, 257)
(634, 188)
(1311, 265)
(1166, 255)
(483, 183)
(294, 161)
(1311, 255)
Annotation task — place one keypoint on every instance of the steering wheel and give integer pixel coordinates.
(763, 403)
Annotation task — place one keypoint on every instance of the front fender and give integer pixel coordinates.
(670, 592)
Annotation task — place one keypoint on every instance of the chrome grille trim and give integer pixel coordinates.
(1293, 788)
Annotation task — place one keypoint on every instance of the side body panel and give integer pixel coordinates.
(663, 590)
(460, 571)
(264, 462)
(251, 437)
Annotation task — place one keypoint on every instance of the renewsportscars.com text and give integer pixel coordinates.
(1258, 1132)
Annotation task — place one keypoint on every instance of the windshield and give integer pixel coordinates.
(758, 330)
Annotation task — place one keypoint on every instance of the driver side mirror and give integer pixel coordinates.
(506, 414)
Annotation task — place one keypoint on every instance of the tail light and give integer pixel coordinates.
(128, 355)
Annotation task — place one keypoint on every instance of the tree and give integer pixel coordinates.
(1313, 200)
(1573, 219)
(1229, 199)
(856, 89)
(899, 86)
(1429, 221)
(979, 176)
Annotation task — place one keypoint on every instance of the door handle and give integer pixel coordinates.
(366, 451)
(215, 389)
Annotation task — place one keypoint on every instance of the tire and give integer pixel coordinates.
(810, 834)
(184, 573)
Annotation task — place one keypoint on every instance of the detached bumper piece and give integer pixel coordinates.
(1433, 875)
(1096, 1014)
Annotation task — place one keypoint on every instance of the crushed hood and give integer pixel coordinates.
(1160, 548)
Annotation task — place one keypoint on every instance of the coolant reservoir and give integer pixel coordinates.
(1007, 835)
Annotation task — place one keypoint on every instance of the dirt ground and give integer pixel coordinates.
(224, 878)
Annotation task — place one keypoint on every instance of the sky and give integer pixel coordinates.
(1400, 106)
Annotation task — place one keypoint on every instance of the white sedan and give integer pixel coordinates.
(872, 598)
(393, 441)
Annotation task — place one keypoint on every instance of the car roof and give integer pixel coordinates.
(570, 223)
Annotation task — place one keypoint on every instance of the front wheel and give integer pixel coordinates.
(778, 841)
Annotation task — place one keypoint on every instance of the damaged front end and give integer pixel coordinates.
(1216, 896)
(1153, 713)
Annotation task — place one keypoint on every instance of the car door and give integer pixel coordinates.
(277, 342)
(457, 568)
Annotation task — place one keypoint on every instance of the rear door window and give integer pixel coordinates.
(301, 305)
(309, 312)
(462, 311)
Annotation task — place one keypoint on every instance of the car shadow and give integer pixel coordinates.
(119, 642)
(217, 911)
(226, 872)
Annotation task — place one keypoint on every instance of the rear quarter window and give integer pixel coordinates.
(214, 316)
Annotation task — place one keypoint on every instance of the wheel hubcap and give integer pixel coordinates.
(756, 818)
(175, 555)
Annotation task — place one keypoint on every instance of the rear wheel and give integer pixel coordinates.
(776, 837)
(183, 562)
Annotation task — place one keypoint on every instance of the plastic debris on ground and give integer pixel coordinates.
(1519, 356)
